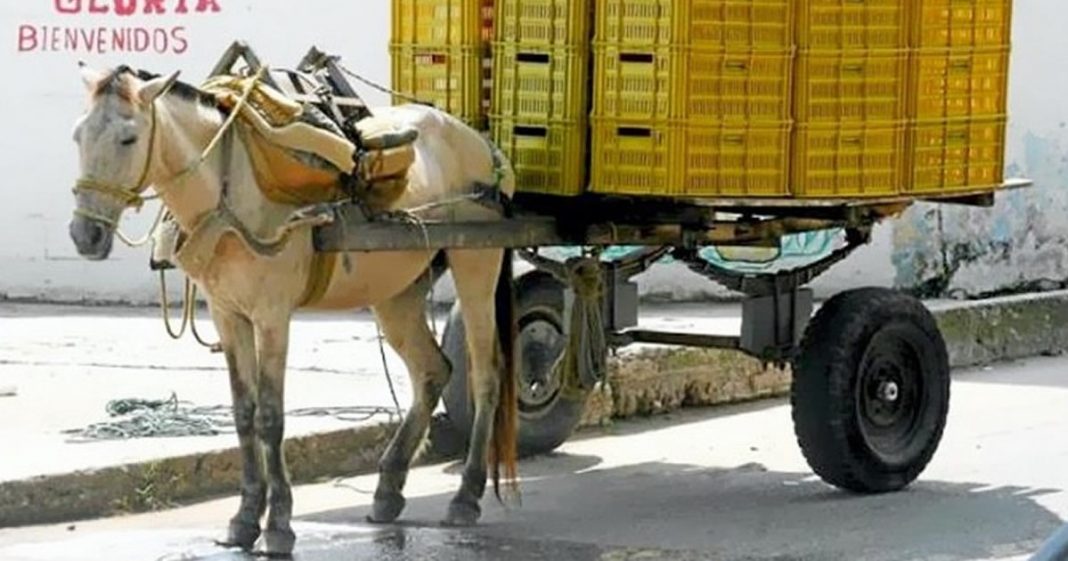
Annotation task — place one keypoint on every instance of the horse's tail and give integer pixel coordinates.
(505, 446)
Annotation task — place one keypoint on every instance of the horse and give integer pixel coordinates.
(143, 130)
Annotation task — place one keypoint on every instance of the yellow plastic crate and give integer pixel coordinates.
(450, 79)
(754, 24)
(692, 84)
(852, 24)
(850, 86)
(634, 157)
(549, 157)
(961, 23)
(850, 161)
(955, 155)
(540, 83)
(637, 84)
(544, 23)
(722, 86)
(733, 161)
(442, 23)
(959, 83)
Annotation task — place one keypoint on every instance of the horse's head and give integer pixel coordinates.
(117, 140)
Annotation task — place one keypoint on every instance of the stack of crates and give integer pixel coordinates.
(851, 98)
(440, 55)
(692, 98)
(959, 78)
(539, 115)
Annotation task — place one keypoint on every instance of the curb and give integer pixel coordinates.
(644, 382)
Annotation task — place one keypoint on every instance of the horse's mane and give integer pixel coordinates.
(118, 83)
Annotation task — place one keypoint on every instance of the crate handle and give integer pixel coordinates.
(965, 64)
(958, 136)
(536, 58)
(432, 58)
(643, 58)
(538, 132)
(855, 68)
(737, 65)
(854, 140)
(635, 132)
(734, 139)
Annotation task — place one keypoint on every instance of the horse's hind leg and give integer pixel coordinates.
(239, 346)
(475, 273)
(404, 325)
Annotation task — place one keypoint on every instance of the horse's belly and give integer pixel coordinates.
(362, 280)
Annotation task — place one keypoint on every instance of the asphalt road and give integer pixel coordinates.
(726, 484)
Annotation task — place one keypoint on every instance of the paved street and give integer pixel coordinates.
(724, 484)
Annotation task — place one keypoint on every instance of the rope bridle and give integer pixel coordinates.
(133, 197)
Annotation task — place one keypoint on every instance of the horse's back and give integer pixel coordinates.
(451, 158)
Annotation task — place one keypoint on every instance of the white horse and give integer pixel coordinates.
(140, 133)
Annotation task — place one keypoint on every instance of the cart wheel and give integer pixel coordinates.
(548, 412)
(870, 393)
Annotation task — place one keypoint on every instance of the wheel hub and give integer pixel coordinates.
(541, 345)
(890, 390)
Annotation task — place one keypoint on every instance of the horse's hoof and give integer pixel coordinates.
(240, 535)
(278, 543)
(462, 514)
(387, 509)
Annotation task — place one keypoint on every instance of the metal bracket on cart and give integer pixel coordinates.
(774, 314)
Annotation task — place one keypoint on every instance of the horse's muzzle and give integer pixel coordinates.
(92, 238)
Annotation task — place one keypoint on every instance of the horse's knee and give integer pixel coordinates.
(244, 416)
(270, 422)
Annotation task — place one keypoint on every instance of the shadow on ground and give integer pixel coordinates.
(682, 512)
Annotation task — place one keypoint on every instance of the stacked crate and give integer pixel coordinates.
(851, 97)
(692, 98)
(440, 55)
(539, 115)
(959, 79)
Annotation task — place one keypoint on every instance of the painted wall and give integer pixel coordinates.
(965, 251)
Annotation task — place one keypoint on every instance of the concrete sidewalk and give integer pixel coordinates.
(67, 363)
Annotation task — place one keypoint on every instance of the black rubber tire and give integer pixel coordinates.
(544, 427)
(846, 425)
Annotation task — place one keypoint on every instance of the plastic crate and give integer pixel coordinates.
(850, 86)
(637, 84)
(450, 79)
(732, 161)
(722, 86)
(635, 157)
(852, 24)
(853, 161)
(759, 24)
(544, 23)
(442, 23)
(962, 23)
(539, 83)
(959, 83)
(549, 157)
(955, 155)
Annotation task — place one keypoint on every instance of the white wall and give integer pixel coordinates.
(1024, 238)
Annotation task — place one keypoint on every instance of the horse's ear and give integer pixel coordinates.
(90, 77)
(152, 89)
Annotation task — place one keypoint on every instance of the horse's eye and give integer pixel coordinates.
(129, 141)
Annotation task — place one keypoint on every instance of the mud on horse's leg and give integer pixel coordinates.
(239, 346)
(272, 343)
(405, 328)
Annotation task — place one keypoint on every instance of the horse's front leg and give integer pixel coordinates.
(272, 344)
(403, 321)
(239, 345)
